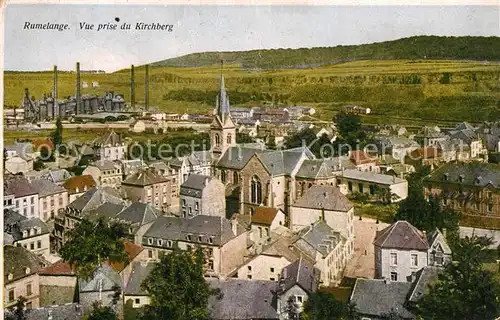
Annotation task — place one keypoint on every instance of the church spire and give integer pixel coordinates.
(222, 98)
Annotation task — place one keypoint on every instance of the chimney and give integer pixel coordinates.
(77, 108)
(54, 93)
(132, 87)
(146, 88)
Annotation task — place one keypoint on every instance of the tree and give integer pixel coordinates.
(57, 137)
(320, 147)
(243, 138)
(100, 312)
(323, 306)
(17, 311)
(349, 127)
(271, 143)
(177, 288)
(93, 242)
(464, 290)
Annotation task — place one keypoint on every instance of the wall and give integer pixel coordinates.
(283, 300)
(213, 201)
(143, 300)
(261, 268)
(47, 210)
(57, 289)
(27, 206)
(19, 287)
(232, 254)
(33, 240)
(254, 168)
(403, 267)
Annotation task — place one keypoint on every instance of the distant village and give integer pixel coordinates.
(278, 224)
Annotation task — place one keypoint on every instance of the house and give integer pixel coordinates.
(202, 195)
(264, 221)
(134, 216)
(430, 136)
(467, 135)
(401, 250)
(165, 170)
(31, 234)
(370, 183)
(298, 280)
(401, 170)
(490, 134)
(78, 185)
(225, 241)
(363, 161)
(268, 263)
(198, 162)
(470, 188)
(51, 198)
(101, 287)
(148, 187)
(241, 113)
(130, 167)
(57, 176)
(398, 146)
(243, 299)
(427, 156)
(377, 299)
(110, 147)
(25, 196)
(137, 126)
(57, 284)
(133, 290)
(325, 248)
(105, 172)
(21, 269)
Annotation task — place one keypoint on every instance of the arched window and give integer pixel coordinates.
(236, 178)
(223, 176)
(229, 138)
(217, 139)
(256, 190)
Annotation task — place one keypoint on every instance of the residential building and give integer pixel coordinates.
(371, 183)
(202, 195)
(57, 284)
(364, 162)
(78, 185)
(149, 187)
(57, 176)
(110, 147)
(31, 234)
(325, 248)
(427, 156)
(25, 196)
(137, 126)
(264, 221)
(225, 242)
(467, 135)
(401, 250)
(100, 287)
(21, 269)
(133, 216)
(19, 164)
(130, 167)
(133, 290)
(298, 280)
(198, 162)
(430, 136)
(357, 109)
(105, 173)
(396, 145)
(470, 188)
(51, 198)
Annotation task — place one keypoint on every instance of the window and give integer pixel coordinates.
(260, 232)
(394, 276)
(210, 265)
(236, 178)
(223, 177)
(188, 237)
(438, 259)
(249, 268)
(249, 276)
(349, 186)
(11, 295)
(197, 205)
(394, 259)
(39, 244)
(169, 243)
(183, 202)
(199, 239)
(272, 269)
(372, 189)
(360, 187)
(490, 206)
(229, 138)
(29, 291)
(150, 254)
(255, 190)
(414, 260)
(32, 246)
(137, 301)
(32, 199)
(217, 140)
(272, 279)
(160, 242)
(211, 240)
(300, 299)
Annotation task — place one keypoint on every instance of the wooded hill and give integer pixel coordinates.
(418, 47)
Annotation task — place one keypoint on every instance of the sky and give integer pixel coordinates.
(219, 28)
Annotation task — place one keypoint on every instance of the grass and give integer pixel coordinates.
(372, 83)
(382, 212)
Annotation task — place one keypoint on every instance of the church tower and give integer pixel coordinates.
(222, 129)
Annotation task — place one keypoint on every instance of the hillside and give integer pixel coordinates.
(418, 47)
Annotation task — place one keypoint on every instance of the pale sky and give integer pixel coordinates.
(219, 28)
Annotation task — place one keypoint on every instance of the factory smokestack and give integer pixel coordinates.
(77, 108)
(132, 87)
(54, 94)
(146, 88)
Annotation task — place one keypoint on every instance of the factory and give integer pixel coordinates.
(49, 107)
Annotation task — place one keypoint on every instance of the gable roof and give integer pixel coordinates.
(17, 260)
(108, 209)
(69, 311)
(95, 197)
(19, 186)
(138, 213)
(378, 178)
(58, 268)
(324, 197)
(242, 299)
(46, 187)
(132, 250)
(237, 157)
(79, 182)
(144, 177)
(318, 237)
(425, 276)
(401, 235)
(15, 224)
(300, 273)
(425, 153)
(140, 272)
(375, 297)
(104, 278)
(284, 162)
(360, 157)
(264, 215)
(316, 169)
(109, 138)
(472, 174)
(197, 182)
(104, 165)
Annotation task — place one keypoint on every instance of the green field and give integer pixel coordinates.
(408, 90)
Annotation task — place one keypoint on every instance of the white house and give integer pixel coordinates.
(263, 222)
(25, 196)
(110, 147)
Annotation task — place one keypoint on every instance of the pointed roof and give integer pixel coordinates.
(302, 274)
(222, 100)
(138, 212)
(111, 138)
(144, 177)
(324, 197)
(95, 197)
(401, 235)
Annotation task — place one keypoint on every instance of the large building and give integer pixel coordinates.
(202, 195)
(148, 187)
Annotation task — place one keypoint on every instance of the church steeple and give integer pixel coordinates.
(222, 102)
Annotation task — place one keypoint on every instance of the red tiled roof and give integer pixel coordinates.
(425, 153)
(361, 157)
(61, 267)
(264, 215)
(37, 143)
(79, 182)
(132, 251)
